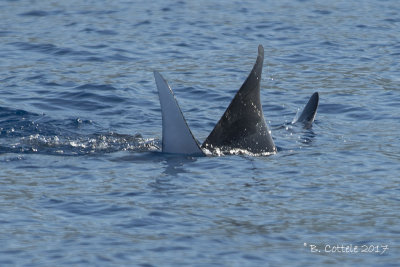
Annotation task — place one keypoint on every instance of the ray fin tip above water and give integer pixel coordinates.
(309, 112)
(177, 137)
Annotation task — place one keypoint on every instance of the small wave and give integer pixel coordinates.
(40, 13)
(102, 87)
(51, 49)
(322, 12)
(144, 22)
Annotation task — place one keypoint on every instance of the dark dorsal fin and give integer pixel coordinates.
(243, 125)
(310, 110)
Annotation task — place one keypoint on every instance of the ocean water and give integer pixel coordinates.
(82, 178)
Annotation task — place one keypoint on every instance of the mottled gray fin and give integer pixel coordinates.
(310, 111)
(176, 135)
(243, 126)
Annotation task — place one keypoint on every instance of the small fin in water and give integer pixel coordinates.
(310, 111)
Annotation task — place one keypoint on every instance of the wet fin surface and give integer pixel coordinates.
(243, 126)
(310, 111)
(176, 135)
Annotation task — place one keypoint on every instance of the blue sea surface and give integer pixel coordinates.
(82, 177)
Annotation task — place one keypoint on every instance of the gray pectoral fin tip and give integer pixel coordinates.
(156, 73)
(176, 135)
